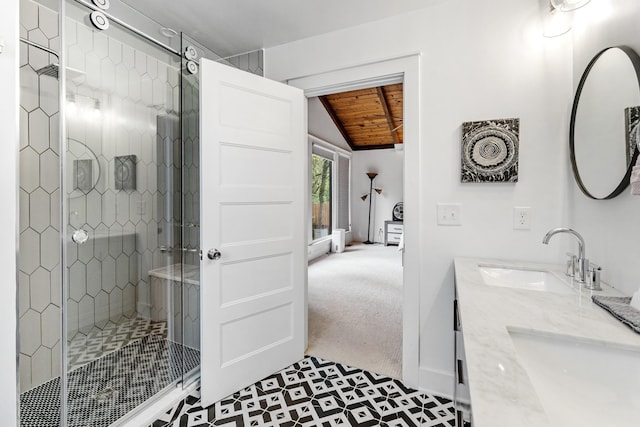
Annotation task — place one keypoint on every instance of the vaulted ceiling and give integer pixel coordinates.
(368, 118)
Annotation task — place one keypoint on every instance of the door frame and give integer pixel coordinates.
(406, 69)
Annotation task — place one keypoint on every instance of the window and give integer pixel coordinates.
(330, 168)
(321, 196)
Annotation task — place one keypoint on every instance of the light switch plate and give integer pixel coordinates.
(449, 213)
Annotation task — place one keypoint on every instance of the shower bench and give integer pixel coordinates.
(175, 299)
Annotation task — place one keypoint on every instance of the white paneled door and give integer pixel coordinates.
(253, 169)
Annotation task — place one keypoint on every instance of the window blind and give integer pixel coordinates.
(343, 192)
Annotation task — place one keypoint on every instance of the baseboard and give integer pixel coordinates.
(323, 246)
(436, 382)
(319, 248)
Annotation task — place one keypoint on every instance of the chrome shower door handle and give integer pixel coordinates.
(80, 236)
(214, 254)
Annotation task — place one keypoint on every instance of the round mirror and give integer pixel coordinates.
(604, 123)
(83, 169)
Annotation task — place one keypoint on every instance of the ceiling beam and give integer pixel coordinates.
(373, 147)
(385, 107)
(337, 121)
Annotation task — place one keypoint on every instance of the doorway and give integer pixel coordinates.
(355, 292)
(375, 74)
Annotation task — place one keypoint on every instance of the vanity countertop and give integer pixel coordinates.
(501, 393)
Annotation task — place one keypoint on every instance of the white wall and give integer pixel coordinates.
(480, 60)
(388, 164)
(9, 84)
(321, 125)
(610, 227)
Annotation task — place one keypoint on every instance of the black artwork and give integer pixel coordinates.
(490, 151)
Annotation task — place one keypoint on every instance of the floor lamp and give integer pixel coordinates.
(371, 175)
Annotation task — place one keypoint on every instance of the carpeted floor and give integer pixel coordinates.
(355, 308)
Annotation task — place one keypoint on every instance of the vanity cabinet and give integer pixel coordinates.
(393, 232)
(461, 397)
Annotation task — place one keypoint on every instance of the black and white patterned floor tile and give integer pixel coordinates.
(106, 389)
(316, 392)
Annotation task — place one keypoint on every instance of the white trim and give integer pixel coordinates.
(349, 67)
(407, 66)
(335, 153)
(326, 144)
(438, 381)
(9, 191)
(318, 248)
(322, 151)
(362, 84)
(335, 183)
(332, 159)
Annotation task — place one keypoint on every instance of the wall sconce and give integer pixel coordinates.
(554, 22)
(568, 5)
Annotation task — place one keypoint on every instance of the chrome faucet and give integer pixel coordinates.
(581, 264)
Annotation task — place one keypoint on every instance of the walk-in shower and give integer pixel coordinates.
(109, 214)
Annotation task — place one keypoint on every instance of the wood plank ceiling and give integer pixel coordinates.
(368, 119)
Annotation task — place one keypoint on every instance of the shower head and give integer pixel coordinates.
(53, 70)
(50, 70)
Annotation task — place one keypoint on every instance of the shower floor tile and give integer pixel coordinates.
(97, 342)
(104, 390)
(316, 392)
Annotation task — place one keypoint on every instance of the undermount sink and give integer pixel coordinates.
(533, 280)
(581, 382)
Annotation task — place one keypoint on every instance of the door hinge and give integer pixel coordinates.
(460, 368)
(456, 317)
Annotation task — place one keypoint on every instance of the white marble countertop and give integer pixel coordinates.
(501, 393)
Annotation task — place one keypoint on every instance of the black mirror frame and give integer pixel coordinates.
(635, 61)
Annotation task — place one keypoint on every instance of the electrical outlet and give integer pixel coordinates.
(522, 218)
(449, 213)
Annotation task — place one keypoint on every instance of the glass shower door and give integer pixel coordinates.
(187, 324)
(109, 213)
(122, 216)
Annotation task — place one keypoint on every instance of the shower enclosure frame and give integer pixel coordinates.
(64, 226)
(189, 247)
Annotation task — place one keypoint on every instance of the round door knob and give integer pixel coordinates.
(80, 236)
(214, 254)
